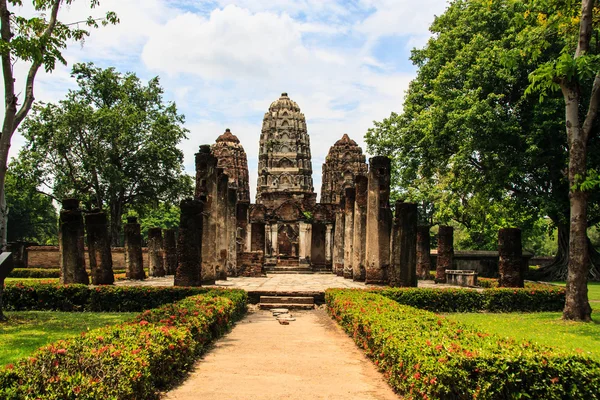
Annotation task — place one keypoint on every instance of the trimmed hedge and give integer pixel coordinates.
(34, 273)
(427, 356)
(26, 296)
(133, 360)
(535, 299)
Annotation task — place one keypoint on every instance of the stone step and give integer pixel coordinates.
(284, 300)
(268, 306)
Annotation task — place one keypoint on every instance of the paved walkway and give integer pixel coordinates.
(276, 283)
(311, 358)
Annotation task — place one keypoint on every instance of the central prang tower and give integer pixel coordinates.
(284, 160)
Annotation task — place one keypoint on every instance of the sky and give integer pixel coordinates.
(345, 62)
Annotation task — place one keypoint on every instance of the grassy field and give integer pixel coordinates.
(544, 328)
(27, 330)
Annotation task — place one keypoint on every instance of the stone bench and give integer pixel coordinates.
(461, 277)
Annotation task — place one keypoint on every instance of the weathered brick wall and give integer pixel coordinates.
(48, 257)
(251, 264)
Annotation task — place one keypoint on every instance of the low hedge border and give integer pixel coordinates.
(532, 299)
(427, 356)
(49, 273)
(134, 360)
(31, 296)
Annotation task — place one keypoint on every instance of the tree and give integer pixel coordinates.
(38, 42)
(33, 217)
(112, 143)
(576, 73)
(485, 150)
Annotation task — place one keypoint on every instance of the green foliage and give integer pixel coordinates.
(35, 273)
(424, 355)
(26, 331)
(471, 147)
(33, 217)
(112, 143)
(532, 298)
(133, 360)
(163, 216)
(23, 296)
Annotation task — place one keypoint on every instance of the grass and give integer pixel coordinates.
(28, 330)
(544, 328)
(31, 280)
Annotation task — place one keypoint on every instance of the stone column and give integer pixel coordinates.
(338, 240)
(423, 251)
(510, 263)
(403, 264)
(377, 253)
(134, 260)
(206, 190)
(232, 232)
(221, 222)
(302, 227)
(445, 253)
(189, 244)
(307, 245)
(328, 242)
(243, 228)
(155, 253)
(170, 249)
(349, 194)
(274, 240)
(100, 255)
(71, 244)
(360, 228)
(268, 238)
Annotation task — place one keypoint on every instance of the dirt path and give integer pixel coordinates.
(311, 358)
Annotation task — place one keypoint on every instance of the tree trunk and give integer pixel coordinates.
(577, 306)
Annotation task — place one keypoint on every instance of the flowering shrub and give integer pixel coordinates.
(54, 296)
(134, 360)
(530, 299)
(427, 356)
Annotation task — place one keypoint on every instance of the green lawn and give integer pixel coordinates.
(544, 328)
(27, 330)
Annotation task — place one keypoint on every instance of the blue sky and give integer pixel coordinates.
(223, 62)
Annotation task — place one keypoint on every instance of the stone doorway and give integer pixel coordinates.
(318, 244)
(258, 237)
(287, 241)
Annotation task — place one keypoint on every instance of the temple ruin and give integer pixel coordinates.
(286, 230)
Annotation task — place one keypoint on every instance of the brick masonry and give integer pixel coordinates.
(48, 257)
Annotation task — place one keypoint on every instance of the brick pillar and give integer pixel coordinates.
(71, 243)
(189, 244)
(170, 249)
(220, 212)
(134, 261)
(156, 265)
(328, 243)
(360, 228)
(423, 251)
(206, 190)
(349, 194)
(96, 226)
(379, 221)
(338, 240)
(445, 253)
(232, 231)
(19, 254)
(510, 263)
(244, 229)
(403, 263)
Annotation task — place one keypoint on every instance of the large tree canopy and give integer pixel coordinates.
(112, 143)
(469, 144)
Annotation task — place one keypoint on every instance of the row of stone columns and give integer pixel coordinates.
(162, 257)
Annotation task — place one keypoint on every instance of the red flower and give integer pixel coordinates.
(61, 351)
(554, 380)
(143, 323)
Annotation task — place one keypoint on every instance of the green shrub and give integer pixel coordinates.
(35, 273)
(26, 296)
(536, 298)
(427, 356)
(133, 360)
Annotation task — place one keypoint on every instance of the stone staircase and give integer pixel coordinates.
(289, 302)
(293, 266)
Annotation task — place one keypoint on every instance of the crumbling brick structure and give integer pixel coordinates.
(71, 243)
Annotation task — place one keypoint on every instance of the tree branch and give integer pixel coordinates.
(585, 28)
(35, 66)
(592, 111)
(7, 70)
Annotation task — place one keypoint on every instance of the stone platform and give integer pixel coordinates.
(278, 285)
